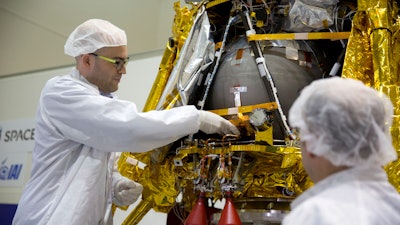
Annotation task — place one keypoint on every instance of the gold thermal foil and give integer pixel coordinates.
(373, 57)
(161, 79)
(369, 55)
(381, 56)
(267, 171)
(396, 51)
(364, 5)
(155, 172)
(276, 175)
(395, 131)
(393, 92)
(138, 213)
(393, 168)
(358, 58)
(182, 23)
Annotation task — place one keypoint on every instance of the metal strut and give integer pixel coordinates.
(218, 55)
(264, 72)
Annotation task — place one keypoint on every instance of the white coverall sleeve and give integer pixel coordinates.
(80, 114)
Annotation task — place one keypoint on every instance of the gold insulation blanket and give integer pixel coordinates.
(182, 23)
(267, 172)
(373, 56)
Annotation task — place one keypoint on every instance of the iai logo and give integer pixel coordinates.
(13, 169)
(9, 171)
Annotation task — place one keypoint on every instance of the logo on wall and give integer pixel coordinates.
(9, 171)
(17, 136)
(16, 144)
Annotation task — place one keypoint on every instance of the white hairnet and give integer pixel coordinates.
(344, 121)
(93, 35)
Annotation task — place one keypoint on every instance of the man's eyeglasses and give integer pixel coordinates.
(119, 63)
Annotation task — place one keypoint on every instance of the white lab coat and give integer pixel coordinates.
(355, 196)
(76, 131)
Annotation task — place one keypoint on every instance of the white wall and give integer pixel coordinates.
(19, 96)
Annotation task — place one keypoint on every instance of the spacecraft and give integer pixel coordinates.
(246, 61)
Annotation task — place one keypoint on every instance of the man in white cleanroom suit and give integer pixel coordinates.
(80, 123)
(345, 142)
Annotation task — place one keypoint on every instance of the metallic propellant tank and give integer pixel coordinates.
(238, 81)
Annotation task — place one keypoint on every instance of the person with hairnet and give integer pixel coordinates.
(80, 123)
(345, 143)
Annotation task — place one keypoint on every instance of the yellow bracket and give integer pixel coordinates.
(244, 109)
(264, 136)
(299, 36)
(214, 3)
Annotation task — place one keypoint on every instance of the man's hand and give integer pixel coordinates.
(211, 123)
(126, 192)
